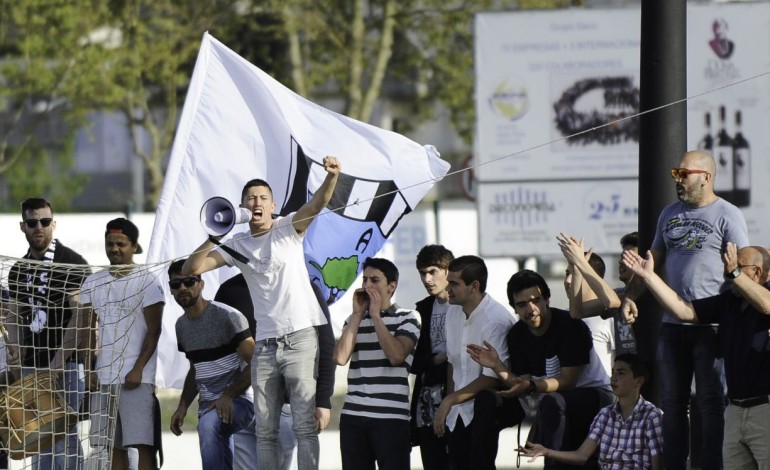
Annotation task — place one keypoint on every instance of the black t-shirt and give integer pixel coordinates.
(566, 343)
(744, 340)
(42, 291)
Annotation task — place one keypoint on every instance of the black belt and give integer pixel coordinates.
(750, 402)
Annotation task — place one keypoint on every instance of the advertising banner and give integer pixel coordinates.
(543, 76)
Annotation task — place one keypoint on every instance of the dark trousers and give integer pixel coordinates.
(364, 441)
(563, 421)
(433, 449)
(474, 446)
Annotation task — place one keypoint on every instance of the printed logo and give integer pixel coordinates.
(686, 234)
(509, 101)
(522, 207)
(720, 44)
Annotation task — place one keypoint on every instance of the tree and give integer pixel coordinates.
(148, 71)
(46, 76)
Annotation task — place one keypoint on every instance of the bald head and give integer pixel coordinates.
(701, 160)
(697, 188)
(758, 258)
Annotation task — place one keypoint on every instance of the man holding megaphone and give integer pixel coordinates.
(285, 310)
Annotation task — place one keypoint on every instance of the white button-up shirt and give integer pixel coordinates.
(490, 321)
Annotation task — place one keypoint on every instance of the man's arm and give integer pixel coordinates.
(243, 381)
(396, 348)
(602, 296)
(205, 258)
(13, 345)
(757, 295)
(567, 380)
(466, 393)
(307, 213)
(77, 328)
(326, 366)
(347, 342)
(189, 392)
(153, 316)
(666, 296)
(224, 404)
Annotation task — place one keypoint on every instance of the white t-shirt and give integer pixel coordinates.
(278, 280)
(490, 322)
(119, 305)
(603, 336)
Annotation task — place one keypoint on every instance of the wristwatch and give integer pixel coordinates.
(532, 389)
(734, 273)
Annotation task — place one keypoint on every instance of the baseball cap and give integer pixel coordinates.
(127, 228)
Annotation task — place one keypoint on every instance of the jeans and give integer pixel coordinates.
(216, 437)
(66, 453)
(245, 440)
(286, 365)
(684, 350)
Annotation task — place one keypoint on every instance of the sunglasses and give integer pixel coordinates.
(32, 223)
(187, 281)
(681, 173)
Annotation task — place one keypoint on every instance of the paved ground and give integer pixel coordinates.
(182, 452)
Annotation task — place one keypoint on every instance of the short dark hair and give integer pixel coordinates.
(253, 183)
(385, 265)
(635, 363)
(471, 268)
(525, 279)
(34, 203)
(630, 239)
(176, 267)
(434, 255)
(597, 263)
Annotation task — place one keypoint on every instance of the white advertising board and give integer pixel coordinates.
(525, 218)
(541, 76)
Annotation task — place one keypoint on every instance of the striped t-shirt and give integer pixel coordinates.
(211, 342)
(377, 389)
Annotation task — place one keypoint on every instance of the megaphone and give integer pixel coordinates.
(219, 216)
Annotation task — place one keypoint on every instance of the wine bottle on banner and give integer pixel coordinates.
(707, 142)
(741, 165)
(723, 154)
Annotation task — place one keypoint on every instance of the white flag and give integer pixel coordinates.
(238, 123)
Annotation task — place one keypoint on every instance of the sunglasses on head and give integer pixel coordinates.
(681, 173)
(187, 281)
(32, 223)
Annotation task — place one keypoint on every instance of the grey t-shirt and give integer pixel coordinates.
(693, 239)
(211, 342)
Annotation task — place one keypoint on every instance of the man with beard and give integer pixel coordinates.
(217, 341)
(43, 295)
(689, 239)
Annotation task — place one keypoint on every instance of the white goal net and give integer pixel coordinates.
(68, 339)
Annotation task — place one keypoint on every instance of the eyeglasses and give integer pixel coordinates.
(681, 173)
(187, 281)
(747, 266)
(32, 223)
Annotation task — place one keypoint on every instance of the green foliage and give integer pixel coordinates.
(47, 172)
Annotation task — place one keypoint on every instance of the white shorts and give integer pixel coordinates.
(132, 425)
